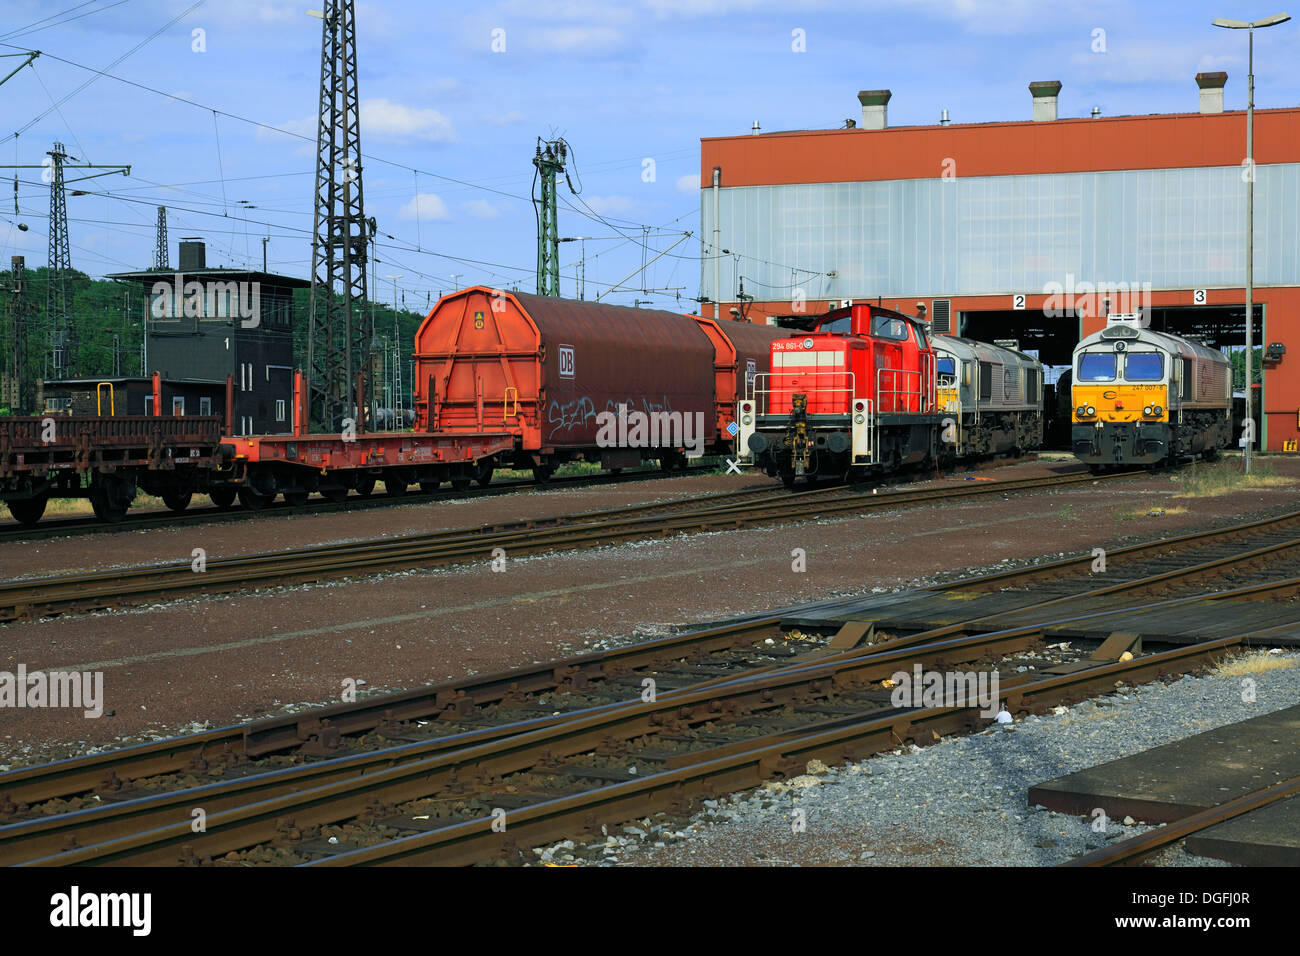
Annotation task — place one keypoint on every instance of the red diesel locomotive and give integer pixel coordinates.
(868, 390)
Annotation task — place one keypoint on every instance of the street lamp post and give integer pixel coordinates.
(1250, 211)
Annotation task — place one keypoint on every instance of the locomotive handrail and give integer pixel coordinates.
(753, 391)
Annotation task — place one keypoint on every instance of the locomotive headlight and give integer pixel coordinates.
(1157, 411)
(1147, 411)
(859, 419)
(747, 420)
(1081, 411)
(1090, 410)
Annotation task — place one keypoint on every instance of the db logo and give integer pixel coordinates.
(566, 361)
(478, 320)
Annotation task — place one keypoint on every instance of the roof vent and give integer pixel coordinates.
(1211, 85)
(1045, 93)
(875, 106)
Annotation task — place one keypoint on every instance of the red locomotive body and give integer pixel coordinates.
(858, 393)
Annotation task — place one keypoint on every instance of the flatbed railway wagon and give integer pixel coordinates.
(554, 373)
(102, 441)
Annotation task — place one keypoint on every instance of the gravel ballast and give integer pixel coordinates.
(960, 802)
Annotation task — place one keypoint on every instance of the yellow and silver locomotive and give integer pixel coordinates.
(1142, 397)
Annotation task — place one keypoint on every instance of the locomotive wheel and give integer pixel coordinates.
(295, 498)
(429, 487)
(252, 500)
(461, 484)
(394, 487)
(335, 494)
(485, 476)
(222, 497)
(366, 486)
(787, 479)
(28, 511)
(177, 501)
(542, 473)
(1210, 454)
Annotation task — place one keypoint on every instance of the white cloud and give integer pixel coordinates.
(610, 205)
(382, 120)
(504, 119)
(481, 209)
(690, 183)
(429, 206)
(386, 120)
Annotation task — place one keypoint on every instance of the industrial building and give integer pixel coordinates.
(1021, 230)
(203, 324)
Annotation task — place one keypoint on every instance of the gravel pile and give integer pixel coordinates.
(960, 802)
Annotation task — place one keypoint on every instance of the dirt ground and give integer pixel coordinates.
(229, 658)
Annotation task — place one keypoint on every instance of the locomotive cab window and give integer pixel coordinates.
(889, 328)
(1144, 367)
(986, 381)
(947, 371)
(840, 326)
(1097, 367)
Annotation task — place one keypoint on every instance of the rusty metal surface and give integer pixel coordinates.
(648, 359)
(1136, 849)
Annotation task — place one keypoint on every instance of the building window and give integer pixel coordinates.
(178, 406)
(51, 404)
(279, 409)
(148, 404)
(205, 405)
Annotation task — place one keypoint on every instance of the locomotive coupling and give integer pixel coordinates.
(797, 434)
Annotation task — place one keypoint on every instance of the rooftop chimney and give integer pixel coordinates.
(1211, 85)
(1044, 93)
(875, 107)
(193, 255)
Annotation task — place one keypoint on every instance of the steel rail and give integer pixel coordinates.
(99, 590)
(1134, 849)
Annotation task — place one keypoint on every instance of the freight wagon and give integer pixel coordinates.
(571, 380)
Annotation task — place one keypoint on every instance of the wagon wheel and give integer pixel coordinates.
(295, 499)
(542, 473)
(394, 487)
(334, 494)
(108, 505)
(461, 484)
(222, 497)
(252, 500)
(429, 487)
(177, 501)
(366, 486)
(28, 511)
(485, 476)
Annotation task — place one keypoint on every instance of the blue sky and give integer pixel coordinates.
(622, 82)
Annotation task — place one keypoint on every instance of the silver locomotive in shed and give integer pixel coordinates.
(992, 397)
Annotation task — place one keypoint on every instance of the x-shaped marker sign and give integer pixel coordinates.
(733, 466)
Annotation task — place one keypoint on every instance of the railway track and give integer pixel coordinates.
(1135, 849)
(430, 796)
(61, 527)
(102, 590)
